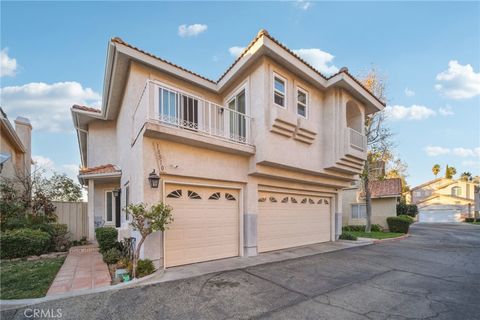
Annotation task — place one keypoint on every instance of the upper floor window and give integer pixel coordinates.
(456, 191)
(279, 91)
(302, 102)
(238, 125)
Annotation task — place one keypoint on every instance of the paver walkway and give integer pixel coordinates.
(83, 269)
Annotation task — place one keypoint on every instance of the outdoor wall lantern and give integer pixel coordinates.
(154, 179)
(116, 192)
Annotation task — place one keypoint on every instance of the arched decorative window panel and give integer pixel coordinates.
(311, 201)
(285, 200)
(175, 194)
(193, 195)
(273, 199)
(229, 197)
(293, 200)
(262, 199)
(325, 201)
(320, 201)
(304, 200)
(215, 196)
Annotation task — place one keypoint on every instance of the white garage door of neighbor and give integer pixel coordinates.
(291, 220)
(439, 216)
(205, 226)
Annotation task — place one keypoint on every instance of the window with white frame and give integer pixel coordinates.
(279, 91)
(456, 191)
(302, 102)
(237, 116)
(359, 211)
(109, 206)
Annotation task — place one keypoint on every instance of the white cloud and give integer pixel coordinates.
(434, 151)
(409, 92)
(191, 30)
(43, 163)
(414, 112)
(8, 66)
(471, 164)
(47, 105)
(302, 4)
(236, 51)
(459, 81)
(320, 60)
(447, 111)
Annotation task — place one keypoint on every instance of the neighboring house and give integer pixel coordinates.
(15, 147)
(444, 200)
(250, 163)
(385, 195)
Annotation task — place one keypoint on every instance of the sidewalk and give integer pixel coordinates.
(83, 269)
(202, 268)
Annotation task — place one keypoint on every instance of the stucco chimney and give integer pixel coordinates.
(24, 132)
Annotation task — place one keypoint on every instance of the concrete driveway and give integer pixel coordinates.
(434, 274)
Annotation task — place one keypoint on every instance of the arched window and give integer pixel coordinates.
(193, 195)
(215, 196)
(456, 191)
(354, 116)
(175, 194)
(229, 197)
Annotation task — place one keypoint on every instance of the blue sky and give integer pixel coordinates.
(428, 51)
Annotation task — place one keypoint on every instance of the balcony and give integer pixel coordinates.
(357, 140)
(172, 114)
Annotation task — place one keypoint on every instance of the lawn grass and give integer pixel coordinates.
(376, 235)
(477, 222)
(27, 279)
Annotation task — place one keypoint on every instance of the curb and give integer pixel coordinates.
(377, 241)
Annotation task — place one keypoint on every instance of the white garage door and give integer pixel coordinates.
(205, 226)
(291, 220)
(439, 216)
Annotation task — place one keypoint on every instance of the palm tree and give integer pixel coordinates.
(436, 169)
(466, 176)
(450, 172)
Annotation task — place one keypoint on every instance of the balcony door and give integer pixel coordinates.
(179, 109)
(237, 123)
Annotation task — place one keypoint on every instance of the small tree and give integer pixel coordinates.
(436, 169)
(59, 187)
(146, 221)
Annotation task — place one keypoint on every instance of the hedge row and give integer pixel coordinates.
(24, 242)
(374, 228)
(399, 224)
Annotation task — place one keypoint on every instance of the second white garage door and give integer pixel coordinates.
(205, 226)
(290, 220)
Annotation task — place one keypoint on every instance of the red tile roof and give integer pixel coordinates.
(386, 188)
(106, 168)
(261, 33)
(85, 108)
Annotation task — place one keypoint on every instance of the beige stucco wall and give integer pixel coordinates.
(278, 162)
(16, 161)
(382, 208)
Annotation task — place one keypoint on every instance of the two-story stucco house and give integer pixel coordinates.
(444, 200)
(250, 163)
(15, 148)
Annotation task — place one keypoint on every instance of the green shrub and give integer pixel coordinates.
(24, 242)
(399, 224)
(106, 237)
(374, 228)
(471, 219)
(111, 256)
(60, 237)
(407, 209)
(144, 268)
(347, 236)
(83, 241)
